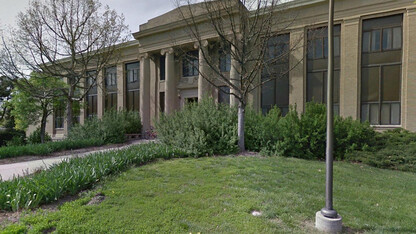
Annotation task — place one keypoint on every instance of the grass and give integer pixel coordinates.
(217, 195)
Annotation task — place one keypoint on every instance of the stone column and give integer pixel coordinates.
(154, 80)
(409, 71)
(296, 64)
(203, 85)
(350, 68)
(121, 87)
(234, 78)
(145, 92)
(100, 94)
(50, 125)
(171, 95)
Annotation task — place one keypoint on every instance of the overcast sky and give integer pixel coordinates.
(136, 12)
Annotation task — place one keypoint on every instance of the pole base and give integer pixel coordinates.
(330, 225)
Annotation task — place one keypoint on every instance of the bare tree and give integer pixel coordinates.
(64, 39)
(248, 31)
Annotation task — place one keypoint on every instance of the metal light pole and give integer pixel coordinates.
(328, 211)
(328, 219)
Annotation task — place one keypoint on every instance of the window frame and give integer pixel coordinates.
(381, 66)
(381, 29)
(309, 61)
(282, 60)
(190, 60)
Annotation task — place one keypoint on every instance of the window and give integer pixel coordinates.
(225, 61)
(132, 86)
(318, 42)
(111, 76)
(162, 102)
(132, 72)
(59, 117)
(190, 64)
(162, 67)
(382, 34)
(111, 101)
(317, 65)
(381, 70)
(317, 88)
(91, 98)
(275, 92)
(111, 88)
(224, 95)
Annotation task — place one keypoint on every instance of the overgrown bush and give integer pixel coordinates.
(304, 136)
(16, 141)
(111, 128)
(7, 135)
(47, 148)
(203, 128)
(261, 131)
(34, 137)
(395, 149)
(75, 175)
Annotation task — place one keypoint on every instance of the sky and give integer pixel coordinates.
(136, 12)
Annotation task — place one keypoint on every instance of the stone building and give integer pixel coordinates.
(375, 67)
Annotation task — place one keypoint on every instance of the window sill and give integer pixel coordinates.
(385, 127)
(190, 77)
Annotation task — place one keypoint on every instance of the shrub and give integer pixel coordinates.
(8, 134)
(77, 174)
(261, 131)
(34, 138)
(16, 141)
(204, 128)
(304, 136)
(351, 135)
(395, 149)
(111, 128)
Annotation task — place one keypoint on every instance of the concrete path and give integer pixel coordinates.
(8, 171)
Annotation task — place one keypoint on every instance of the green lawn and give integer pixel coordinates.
(217, 195)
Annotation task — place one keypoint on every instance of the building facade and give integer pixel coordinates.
(375, 67)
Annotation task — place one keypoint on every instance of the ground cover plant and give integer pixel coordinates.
(47, 148)
(395, 149)
(218, 194)
(74, 175)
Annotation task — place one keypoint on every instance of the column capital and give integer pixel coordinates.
(203, 43)
(144, 56)
(167, 51)
(411, 10)
(352, 21)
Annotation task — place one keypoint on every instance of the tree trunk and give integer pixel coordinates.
(69, 106)
(241, 116)
(69, 115)
(43, 126)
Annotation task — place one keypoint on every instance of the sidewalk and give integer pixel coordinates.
(8, 171)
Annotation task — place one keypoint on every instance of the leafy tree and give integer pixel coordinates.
(63, 39)
(33, 103)
(5, 94)
(244, 30)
